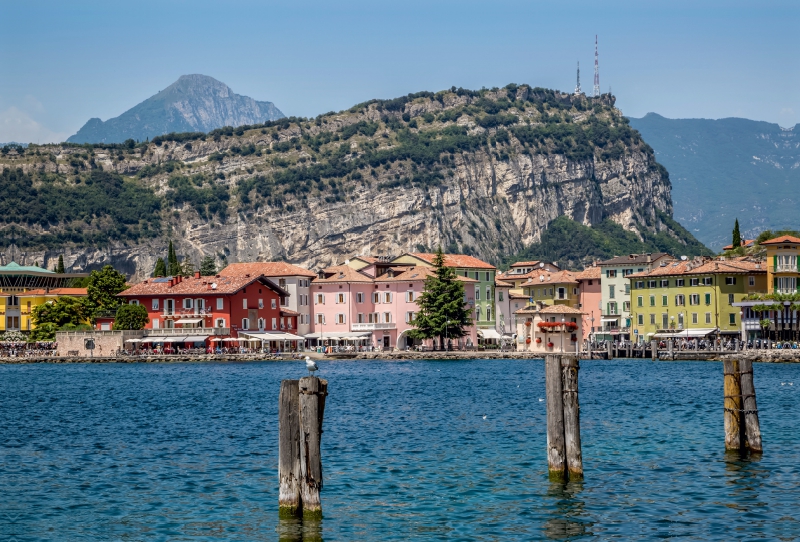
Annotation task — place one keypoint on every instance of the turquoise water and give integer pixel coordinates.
(189, 452)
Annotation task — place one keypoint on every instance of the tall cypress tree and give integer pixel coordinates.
(173, 265)
(737, 238)
(60, 267)
(442, 310)
(161, 268)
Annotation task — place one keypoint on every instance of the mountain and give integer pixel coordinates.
(727, 169)
(193, 103)
(480, 172)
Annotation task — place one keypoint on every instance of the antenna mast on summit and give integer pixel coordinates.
(578, 85)
(596, 71)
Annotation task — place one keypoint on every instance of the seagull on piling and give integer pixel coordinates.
(311, 365)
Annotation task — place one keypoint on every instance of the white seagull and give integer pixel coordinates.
(311, 365)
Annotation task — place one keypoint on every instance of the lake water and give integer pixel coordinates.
(189, 452)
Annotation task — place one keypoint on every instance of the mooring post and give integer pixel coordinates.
(653, 350)
(312, 405)
(556, 447)
(572, 417)
(752, 427)
(289, 450)
(670, 350)
(734, 428)
(610, 353)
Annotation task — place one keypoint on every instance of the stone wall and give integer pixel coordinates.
(106, 343)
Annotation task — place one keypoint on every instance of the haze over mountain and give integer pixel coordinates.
(193, 103)
(726, 169)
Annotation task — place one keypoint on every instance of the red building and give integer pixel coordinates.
(236, 306)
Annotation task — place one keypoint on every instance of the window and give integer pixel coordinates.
(652, 301)
(751, 280)
(664, 321)
(680, 320)
(730, 281)
(282, 283)
(680, 282)
(387, 317)
(320, 319)
(680, 300)
(220, 303)
(133, 302)
(652, 283)
(376, 297)
(640, 319)
(730, 299)
(488, 313)
(220, 322)
(410, 297)
(574, 292)
(488, 293)
(272, 303)
(359, 297)
(477, 294)
(708, 318)
(387, 297)
(200, 304)
(261, 324)
(708, 298)
(732, 319)
(245, 323)
(340, 298)
(244, 303)
(665, 283)
(640, 301)
(360, 318)
(785, 263)
(562, 293)
(187, 303)
(708, 281)
(694, 299)
(664, 300)
(155, 304)
(612, 308)
(487, 277)
(786, 285)
(626, 272)
(274, 323)
(551, 292)
(611, 273)
(627, 288)
(320, 299)
(156, 323)
(626, 306)
(639, 283)
(409, 317)
(477, 313)
(260, 303)
(611, 291)
(694, 282)
(653, 319)
(169, 324)
(694, 317)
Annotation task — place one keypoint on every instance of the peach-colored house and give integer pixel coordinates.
(590, 299)
(545, 329)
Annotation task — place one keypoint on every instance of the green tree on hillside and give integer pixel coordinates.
(102, 290)
(208, 266)
(442, 311)
(60, 266)
(131, 317)
(173, 265)
(187, 267)
(737, 237)
(160, 269)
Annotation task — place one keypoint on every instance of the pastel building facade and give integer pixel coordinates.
(544, 329)
(590, 299)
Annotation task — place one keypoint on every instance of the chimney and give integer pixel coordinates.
(649, 258)
(209, 286)
(171, 283)
(197, 274)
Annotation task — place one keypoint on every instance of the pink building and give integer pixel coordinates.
(590, 300)
(352, 307)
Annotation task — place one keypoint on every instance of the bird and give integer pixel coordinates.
(484, 416)
(311, 365)
(783, 383)
(540, 399)
(791, 383)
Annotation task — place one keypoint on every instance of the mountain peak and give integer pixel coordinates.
(193, 103)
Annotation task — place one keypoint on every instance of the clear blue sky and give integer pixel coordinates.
(64, 62)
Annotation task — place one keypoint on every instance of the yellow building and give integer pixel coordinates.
(693, 298)
(547, 287)
(783, 264)
(24, 287)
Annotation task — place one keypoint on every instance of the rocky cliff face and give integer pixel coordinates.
(478, 172)
(193, 103)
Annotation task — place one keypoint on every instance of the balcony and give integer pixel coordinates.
(186, 331)
(373, 326)
(785, 268)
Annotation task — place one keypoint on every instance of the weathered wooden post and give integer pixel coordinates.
(734, 432)
(610, 353)
(564, 458)
(670, 349)
(742, 429)
(302, 405)
(752, 426)
(653, 350)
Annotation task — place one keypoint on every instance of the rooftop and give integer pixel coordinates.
(454, 260)
(549, 309)
(211, 285)
(589, 273)
(14, 267)
(75, 292)
(703, 266)
(745, 243)
(635, 259)
(781, 240)
(267, 269)
(341, 273)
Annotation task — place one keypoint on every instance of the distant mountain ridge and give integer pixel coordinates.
(193, 103)
(726, 169)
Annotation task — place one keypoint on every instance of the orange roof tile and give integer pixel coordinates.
(589, 273)
(549, 309)
(268, 269)
(534, 277)
(703, 267)
(502, 284)
(418, 273)
(455, 260)
(745, 243)
(781, 239)
(75, 292)
(203, 285)
(525, 264)
(342, 273)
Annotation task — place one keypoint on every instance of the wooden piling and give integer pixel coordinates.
(572, 417)
(734, 431)
(653, 350)
(289, 450)
(752, 426)
(610, 353)
(312, 406)
(556, 446)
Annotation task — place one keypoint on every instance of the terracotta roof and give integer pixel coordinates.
(635, 259)
(518, 296)
(559, 277)
(549, 309)
(703, 267)
(745, 243)
(502, 284)
(203, 285)
(368, 259)
(454, 260)
(55, 291)
(268, 269)
(525, 264)
(417, 273)
(781, 239)
(589, 273)
(342, 273)
(288, 312)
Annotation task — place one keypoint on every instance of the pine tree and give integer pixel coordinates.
(161, 268)
(737, 238)
(187, 267)
(442, 311)
(60, 267)
(173, 265)
(208, 266)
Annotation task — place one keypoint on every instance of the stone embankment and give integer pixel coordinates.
(145, 359)
(764, 356)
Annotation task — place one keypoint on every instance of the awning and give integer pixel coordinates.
(197, 338)
(277, 336)
(153, 340)
(686, 333)
(174, 339)
(339, 335)
(189, 321)
(489, 334)
(133, 341)
(609, 319)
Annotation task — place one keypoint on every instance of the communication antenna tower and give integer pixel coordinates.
(596, 71)
(578, 85)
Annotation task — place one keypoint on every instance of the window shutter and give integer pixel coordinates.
(775, 262)
(608, 308)
(798, 263)
(775, 284)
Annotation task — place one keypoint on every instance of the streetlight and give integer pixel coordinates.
(446, 335)
(563, 330)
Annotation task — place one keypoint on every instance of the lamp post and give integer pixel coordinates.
(563, 320)
(446, 335)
